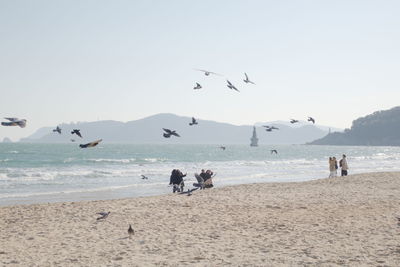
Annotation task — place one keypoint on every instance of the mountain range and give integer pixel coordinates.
(149, 130)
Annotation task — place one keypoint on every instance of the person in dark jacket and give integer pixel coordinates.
(208, 179)
(176, 180)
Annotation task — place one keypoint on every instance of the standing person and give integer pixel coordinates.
(343, 165)
(331, 167)
(336, 166)
(176, 180)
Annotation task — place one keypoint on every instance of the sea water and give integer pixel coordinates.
(37, 173)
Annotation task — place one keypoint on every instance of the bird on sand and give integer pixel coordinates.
(91, 144)
(169, 132)
(58, 130)
(274, 151)
(194, 122)
(72, 140)
(222, 147)
(247, 79)
(293, 121)
(189, 191)
(311, 119)
(198, 86)
(231, 86)
(130, 231)
(103, 215)
(207, 73)
(14, 122)
(144, 177)
(77, 132)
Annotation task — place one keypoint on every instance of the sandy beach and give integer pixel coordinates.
(347, 221)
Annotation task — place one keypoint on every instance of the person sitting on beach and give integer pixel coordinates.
(176, 180)
(204, 179)
(343, 165)
(208, 179)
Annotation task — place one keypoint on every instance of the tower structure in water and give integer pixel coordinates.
(254, 139)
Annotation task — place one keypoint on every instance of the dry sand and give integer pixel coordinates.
(329, 222)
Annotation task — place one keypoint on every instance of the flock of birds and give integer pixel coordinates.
(166, 134)
(229, 84)
(78, 133)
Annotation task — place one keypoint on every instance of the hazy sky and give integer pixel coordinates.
(64, 61)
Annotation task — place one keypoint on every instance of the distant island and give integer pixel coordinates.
(382, 128)
(149, 131)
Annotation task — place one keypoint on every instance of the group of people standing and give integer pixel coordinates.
(333, 166)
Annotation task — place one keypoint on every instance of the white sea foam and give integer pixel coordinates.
(68, 172)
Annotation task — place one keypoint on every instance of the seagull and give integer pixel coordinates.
(58, 130)
(194, 122)
(222, 147)
(311, 119)
(103, 215)
(169, 132)
(189, 191)
(91, 144)
(231, 86)
(77, 132)
(144, 177)
(274, 151)
(130, 231)
(198, 86)
(293, 121)
(270, 128)
(14, 122)
(247, 79)
(207, 73)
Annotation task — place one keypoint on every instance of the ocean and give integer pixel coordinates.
(41, 173)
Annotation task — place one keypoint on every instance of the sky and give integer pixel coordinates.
(77, 60)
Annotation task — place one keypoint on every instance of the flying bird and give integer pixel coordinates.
(207, 73)
(58, 130)
(198, 86)
(247, 79)
(169, 132)
(194, 122)
(91, 144)
(14, 122)
(293, 121)
(103, 215)
(270, 128)
(231, 86)
(311, 119)
(77, 132)
(144, 177)
(274, 151)
(130, 231)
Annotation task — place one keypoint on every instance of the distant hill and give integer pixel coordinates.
(382, 128)
(149, 130)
